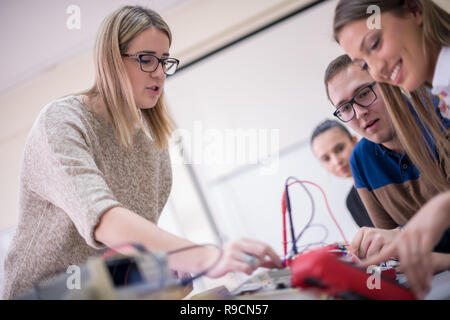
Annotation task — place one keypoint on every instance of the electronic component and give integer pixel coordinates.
(141, 276)
(333, 269)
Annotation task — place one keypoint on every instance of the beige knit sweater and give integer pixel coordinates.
(73, 170)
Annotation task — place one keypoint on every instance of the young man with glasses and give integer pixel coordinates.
(389, 185)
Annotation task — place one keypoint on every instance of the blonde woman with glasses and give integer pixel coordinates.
(96, 172)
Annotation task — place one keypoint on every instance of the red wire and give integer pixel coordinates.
(328, 208)
(126, 274)
(283, 208)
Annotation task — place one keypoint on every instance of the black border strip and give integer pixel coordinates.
(232, 43)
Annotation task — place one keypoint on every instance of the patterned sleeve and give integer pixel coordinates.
(61, 168)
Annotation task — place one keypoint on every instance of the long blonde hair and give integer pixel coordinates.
(436, 33)
(112, 85)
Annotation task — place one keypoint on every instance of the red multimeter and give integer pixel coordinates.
(325, 269)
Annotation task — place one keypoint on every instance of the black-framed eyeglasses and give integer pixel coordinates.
(365, 97)
(149, 62)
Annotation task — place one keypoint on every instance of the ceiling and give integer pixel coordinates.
(35, 36)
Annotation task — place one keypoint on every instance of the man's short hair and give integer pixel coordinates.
(336, 66)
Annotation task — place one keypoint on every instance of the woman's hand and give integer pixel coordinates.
(439, 262)
(369, 241)
(415, 243)
(244, 255)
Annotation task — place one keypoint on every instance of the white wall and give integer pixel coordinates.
(269, 83)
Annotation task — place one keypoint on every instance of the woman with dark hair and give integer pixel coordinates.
(332, 145)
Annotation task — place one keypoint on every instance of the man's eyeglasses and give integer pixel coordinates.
(149, 63)
(363, 98)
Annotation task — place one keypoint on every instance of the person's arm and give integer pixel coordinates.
(440, 262)
(119, 225)
(377, 213)
(62, 170)
(369, 241)
(414, 244)
(361, 176)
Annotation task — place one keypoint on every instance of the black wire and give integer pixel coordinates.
(313, 209)
(288, 207)
(204, 272)
(295, 239)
